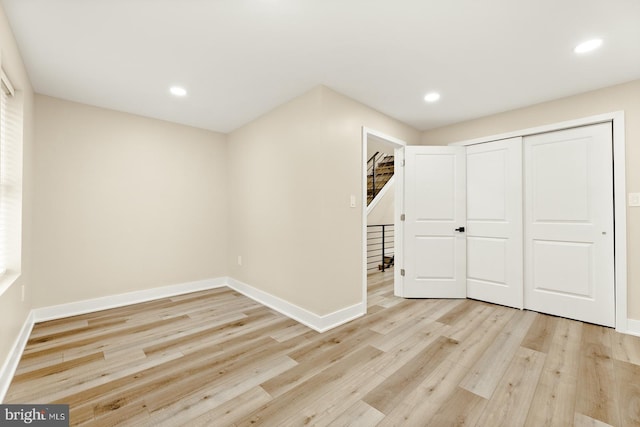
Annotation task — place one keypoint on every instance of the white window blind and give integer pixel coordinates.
(10, 177)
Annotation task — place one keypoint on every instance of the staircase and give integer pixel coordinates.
(379, 171)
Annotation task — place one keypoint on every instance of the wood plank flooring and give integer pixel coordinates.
(217, 358)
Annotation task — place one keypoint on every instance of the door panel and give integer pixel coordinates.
(569, 224)
(437, 200)
(434, 257)
(560, 170)
(486, 182)
(486, 260)
(494, 220)
(563, 268)
(437, 257)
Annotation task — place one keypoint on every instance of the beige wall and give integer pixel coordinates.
(124, 203)
(375, 144)
(292, 173)
(625, 97)
(384, 211)
(13, 311)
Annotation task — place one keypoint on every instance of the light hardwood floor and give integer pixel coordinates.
(217, 358)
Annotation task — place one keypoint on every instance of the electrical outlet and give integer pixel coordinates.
(634, 199)
(239, 259)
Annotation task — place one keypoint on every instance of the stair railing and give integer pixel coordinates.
(371, 169)
(380, 247)
(379, 171)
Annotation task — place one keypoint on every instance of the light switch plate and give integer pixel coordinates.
(634, 199)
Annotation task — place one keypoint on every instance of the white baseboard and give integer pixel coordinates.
(11, 363)
(113, 301)
(312, 320)
(633, 327)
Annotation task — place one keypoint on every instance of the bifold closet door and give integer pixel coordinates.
(494, 222)
(569, 258)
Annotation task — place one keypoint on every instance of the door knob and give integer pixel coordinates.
(459, 229)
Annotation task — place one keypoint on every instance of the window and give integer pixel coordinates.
(10, 182)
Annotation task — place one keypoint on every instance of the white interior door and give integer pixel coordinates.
(494, 222)
(569, 259)
(434, 252)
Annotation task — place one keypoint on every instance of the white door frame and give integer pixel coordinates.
(398, 203)
(619, 191)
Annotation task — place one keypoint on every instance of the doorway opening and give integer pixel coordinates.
(382, 201)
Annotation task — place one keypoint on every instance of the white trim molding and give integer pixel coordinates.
(120, 300)
(585, 121)
(398, 152)
(11, 363)
(314, 321)
(633, 327)
(88, 306)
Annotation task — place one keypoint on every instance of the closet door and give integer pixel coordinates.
(569, 259)
(494, 221)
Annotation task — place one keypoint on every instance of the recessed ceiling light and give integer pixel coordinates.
(432, 97)
(588, 46)
(178, 91)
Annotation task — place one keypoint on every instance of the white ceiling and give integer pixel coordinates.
(240, 58)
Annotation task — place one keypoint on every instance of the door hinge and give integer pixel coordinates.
(402, 164)
(402, 271)
(402, 217)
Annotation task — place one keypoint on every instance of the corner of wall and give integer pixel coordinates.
(15, 318)
(314, 321)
